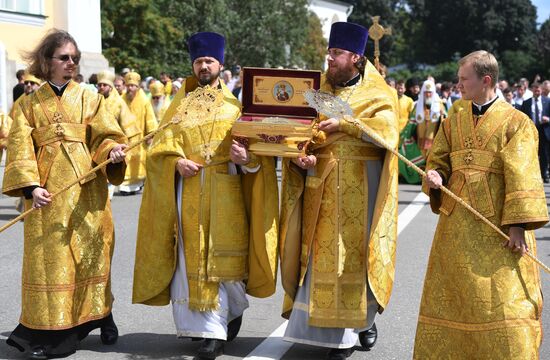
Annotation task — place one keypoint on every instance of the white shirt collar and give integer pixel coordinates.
(488, 102)
(57, 86)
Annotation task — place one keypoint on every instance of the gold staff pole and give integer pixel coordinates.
(334, 107)
(82, 177)
(373, 135)
(201, 99)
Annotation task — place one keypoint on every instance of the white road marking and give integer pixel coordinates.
(274, 347)
(411, 211)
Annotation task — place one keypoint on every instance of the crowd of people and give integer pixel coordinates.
(423, 105)
(212, 228)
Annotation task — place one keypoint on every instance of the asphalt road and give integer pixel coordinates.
(148, 332)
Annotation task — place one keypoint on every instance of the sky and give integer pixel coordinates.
(543, 10)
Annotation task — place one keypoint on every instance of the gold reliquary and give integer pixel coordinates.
(276, 119)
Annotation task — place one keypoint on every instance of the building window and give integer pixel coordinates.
(26, 12)
(33, 7)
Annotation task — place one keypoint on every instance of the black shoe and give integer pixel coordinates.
(38, 353)
(339, 354)
(233, 328)
(109, 333)
(210, 349)
(368, 337)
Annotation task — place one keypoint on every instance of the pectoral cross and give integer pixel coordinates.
(377, 32)
(207, 153)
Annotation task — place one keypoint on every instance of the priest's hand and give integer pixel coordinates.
(306, 162)
(329, 126)
(517, 240)
(238, 153)
(433, 179)
(40, 197)
(188, 168)
(117, 153)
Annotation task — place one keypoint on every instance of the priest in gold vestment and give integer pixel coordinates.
(339, 210)
(140, 106)
(159, 101)
(59, 133)
(406, 105)
(117, 107)
(207, 231)
(482, 300)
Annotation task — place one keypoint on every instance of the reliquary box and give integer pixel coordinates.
(276, 119)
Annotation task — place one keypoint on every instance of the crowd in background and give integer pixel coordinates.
(416, 134)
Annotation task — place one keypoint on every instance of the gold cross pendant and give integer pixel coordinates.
(207, 153)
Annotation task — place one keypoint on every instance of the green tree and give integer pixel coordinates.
(543, 52)
(314, 50)
(268, 32)
(449, 26)
(515, 64)
(152, 36)
(192, 16)
(445, 71)
(134, 34)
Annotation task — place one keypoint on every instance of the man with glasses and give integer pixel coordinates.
(141, 107)
(31, 83)
(339, 210)
(59, 133)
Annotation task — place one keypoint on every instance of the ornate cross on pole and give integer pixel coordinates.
(377, 32)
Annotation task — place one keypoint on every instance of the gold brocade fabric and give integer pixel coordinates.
(5, 125)
(406, 106)
(69, 243)
(141, 108)
(117, 107)
(324, 214)
(229, 221)
(16, 104)
(480, 300)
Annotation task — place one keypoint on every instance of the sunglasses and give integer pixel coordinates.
(65, 58)
(30, 83)
(156, 97)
